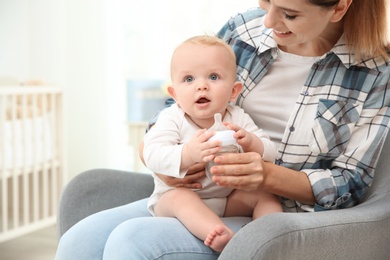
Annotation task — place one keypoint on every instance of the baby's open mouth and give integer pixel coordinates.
(202, 100)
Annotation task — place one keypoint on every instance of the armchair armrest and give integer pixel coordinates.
(99, 189)
(362, 232)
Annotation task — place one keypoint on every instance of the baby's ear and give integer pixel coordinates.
(237, 88)
(171, 92)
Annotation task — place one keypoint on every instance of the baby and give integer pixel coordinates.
(203, 74)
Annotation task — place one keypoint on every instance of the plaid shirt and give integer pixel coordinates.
(340, 120)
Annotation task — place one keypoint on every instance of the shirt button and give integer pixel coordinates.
(278, 161)
(306, 93)
(292, 129)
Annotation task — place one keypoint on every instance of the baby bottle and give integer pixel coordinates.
(222, 133)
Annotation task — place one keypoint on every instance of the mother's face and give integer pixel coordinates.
(298, 24)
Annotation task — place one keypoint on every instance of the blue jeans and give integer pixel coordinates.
(130, 232)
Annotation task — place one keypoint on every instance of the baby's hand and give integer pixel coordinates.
(199, 149)
(243, 137)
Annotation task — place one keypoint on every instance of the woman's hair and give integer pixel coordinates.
(365, 26)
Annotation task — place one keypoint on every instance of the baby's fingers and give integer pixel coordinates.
(209, 158)
(209, 154)
(205, 135)
(232, 126)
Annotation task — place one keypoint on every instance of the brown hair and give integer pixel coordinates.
(365, 26)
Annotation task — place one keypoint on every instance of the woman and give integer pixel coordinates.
(317, 85)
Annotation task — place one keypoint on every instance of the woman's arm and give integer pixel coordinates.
(247, 171)
(190, 181)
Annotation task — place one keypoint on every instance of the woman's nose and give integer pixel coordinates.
(272, 18)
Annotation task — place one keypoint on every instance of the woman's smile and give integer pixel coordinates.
(282, 33)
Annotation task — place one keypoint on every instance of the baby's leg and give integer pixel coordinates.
(253, 204)
(268, 203)
(185, 205)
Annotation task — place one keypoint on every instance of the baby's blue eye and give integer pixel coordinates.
(214, 77)
(189, 79)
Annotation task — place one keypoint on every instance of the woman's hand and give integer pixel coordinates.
(248, 172)
(242, 171)
(194, 173)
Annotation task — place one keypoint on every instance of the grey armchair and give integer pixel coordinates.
(362, 232)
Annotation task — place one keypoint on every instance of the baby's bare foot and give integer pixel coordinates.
(218, 238)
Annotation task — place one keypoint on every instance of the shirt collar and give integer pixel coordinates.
(266, 41)
(340, 49)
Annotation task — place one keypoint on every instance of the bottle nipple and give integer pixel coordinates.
(218, 125)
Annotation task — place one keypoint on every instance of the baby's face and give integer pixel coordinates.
(203, 78)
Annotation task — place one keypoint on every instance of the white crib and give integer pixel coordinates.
(31, 158)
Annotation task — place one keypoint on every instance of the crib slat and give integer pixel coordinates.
(45, 140)
(25, 186)
(35, 190)
(15, 186)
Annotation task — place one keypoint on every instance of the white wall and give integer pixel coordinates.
(95, 87)
(153, 28)
(91, 48)
(67, 42)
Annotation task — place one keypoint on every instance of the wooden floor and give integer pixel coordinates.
(40, 245)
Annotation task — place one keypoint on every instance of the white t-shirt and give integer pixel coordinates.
(273, 119)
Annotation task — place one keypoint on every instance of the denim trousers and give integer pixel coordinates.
(130, 232)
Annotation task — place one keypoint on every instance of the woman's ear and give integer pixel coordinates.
(237, 88)
(340, 10)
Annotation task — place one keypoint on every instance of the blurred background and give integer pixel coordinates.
(110, 57)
